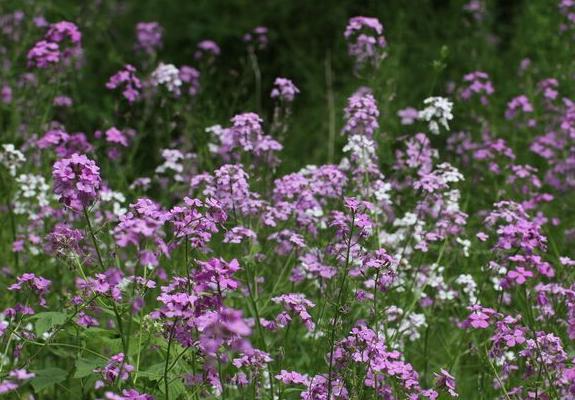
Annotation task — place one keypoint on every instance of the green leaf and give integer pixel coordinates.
(176, 387)
(86, 366)
(48, 320)
(48, 377)
(154, 373)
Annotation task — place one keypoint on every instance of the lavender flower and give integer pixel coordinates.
(365, 40)
(149, 37)
(361, 114)
(284, 90)
(76, 180)
(127, 79)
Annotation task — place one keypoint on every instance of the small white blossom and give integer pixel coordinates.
(117, 199)
(466, 244)
(469, 287)
(362, 151)
(438, 112)
(32, 192)
(11, 158)
(172, 162)
(167, 75)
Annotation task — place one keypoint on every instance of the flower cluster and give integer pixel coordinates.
(366, 42)
(11, 158)
(76, 181)
(61, 42)
(149, 37)
(127, 80)
(437, 113)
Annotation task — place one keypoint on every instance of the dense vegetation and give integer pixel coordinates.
(287, 200)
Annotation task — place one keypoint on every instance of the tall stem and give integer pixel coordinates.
(330, 108)
(166, 365)
(257, 78)
(102, 266)
(338, 307)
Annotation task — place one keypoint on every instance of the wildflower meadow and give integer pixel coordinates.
(332, 200)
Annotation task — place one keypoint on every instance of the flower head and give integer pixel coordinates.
(76, 180)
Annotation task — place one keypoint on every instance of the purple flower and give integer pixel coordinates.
(444, 380)
(149, 37)
(365, 40)
(519, 275)
(298, 304)
(63, 101)
(143, 223)
(62, 31)
(408, 115)
(478, 84)
(64, 240)
(258, 38)
(37, 284)
(76, 180)
(291, 377)
(15, 378)
(518, 103)
(127, 79)
(116, 368)
(238, 234)
(190, 77)
(60, 43)
(44, 54)
(207, 50)
(479, 317)
(217, 275)
(361, 114)
(128, 394)
(225, 326)
(284, 90)
(64, 144)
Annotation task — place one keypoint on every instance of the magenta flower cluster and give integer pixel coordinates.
(76, 180)
(61, 42)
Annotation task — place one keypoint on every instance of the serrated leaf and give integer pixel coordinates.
(85, 366)
(48, 377)
(48, 320)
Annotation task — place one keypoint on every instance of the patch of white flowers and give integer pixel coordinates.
(382, 191)
(11, 158)
(437, 113)
(448, 173)
(362, 151)
(32, 191)
(173, 162)
(167, 75)
(116, 199)
(409, 327)
(469, 287)
(407, 226)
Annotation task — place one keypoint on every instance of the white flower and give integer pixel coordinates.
(438, 112)
(362, 151)
(469, 287)
(382, 191)
(466, 244)
(167, 75)
(172, 162)
(448, 173)
(11, 158)
(117, 199)
(32, 192)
